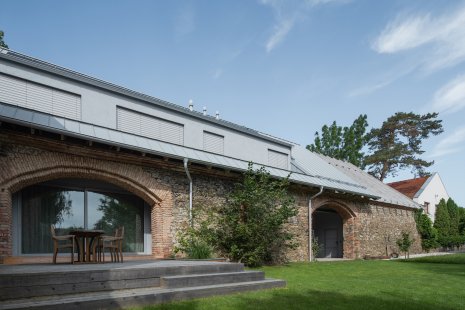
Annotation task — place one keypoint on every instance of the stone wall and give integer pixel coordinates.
(163, 184)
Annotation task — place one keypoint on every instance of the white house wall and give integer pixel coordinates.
(432, 192)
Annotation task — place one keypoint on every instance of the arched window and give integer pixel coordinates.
(76, 203)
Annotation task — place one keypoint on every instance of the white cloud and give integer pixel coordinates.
(450, 144)
(280, 32)
(442, 37)
(287, 13)
(450, 97)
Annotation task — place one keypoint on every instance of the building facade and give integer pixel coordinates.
(426, 191)
(79, 152)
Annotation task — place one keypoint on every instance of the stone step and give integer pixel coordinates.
(13, 286)
(135, 297)
(211, 279)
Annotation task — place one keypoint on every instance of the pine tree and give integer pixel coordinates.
(397, 144)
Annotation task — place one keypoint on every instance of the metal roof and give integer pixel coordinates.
(329, 177)
(386, 193)
(28, 61)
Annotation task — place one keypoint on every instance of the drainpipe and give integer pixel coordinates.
(310, 223)
(186, 160)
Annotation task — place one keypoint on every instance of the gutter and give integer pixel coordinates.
(186, 160)
(310, 252)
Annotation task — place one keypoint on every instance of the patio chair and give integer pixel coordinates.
(62, 242)
(114, 244)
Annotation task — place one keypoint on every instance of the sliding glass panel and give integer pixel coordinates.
(43, 206)
(109, 211)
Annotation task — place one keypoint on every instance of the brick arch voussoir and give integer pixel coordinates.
(343, 210)
(140, 189)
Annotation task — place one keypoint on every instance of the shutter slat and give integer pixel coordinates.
(39, 97)
(149, 126)
(278, 159)
(213, 143)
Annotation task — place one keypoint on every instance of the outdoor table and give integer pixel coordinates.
(85, 238)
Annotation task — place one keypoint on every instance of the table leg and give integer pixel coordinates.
(80, 249)
(88, 240)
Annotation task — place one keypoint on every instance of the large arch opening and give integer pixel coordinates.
(71, 203)
(328, 232)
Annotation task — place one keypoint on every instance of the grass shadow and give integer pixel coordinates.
(311, 299)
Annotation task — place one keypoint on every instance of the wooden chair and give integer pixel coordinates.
(58, 244)
(114, 244)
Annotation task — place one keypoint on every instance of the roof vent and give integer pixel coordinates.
(217, 115)
(191, 105)
(205, 111)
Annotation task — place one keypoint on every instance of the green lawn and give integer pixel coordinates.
(428, 283)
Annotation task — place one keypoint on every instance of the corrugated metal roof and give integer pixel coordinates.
(314, 176)
(386, 193)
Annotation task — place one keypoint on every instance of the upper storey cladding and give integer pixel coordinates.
(47, 96)
(37, 85)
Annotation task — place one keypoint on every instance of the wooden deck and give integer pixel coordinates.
(122, 285)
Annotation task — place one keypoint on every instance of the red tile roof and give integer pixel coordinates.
(409, 187)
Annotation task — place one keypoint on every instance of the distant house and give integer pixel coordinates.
(427, 191)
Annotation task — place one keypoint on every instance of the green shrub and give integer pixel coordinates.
(199, 249)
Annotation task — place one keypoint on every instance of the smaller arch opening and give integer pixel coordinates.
(327, 225)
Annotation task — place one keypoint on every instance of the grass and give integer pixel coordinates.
(424, 283)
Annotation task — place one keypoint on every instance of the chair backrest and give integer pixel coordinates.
(52, 230)
(119, 232)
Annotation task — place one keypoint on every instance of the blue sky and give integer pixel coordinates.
(282, 67)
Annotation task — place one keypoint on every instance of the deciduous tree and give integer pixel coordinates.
(2, 42)
(344, 143)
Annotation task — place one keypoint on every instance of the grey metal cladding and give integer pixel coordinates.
(312, 164)
(149, 126)
(42, 119)
(278, 159)
(213, 142)
(38, 97)
(12, 90)
(386, 193)
(73, 128)
(28, 61)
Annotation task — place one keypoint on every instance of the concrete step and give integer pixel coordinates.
(13, 286)
(211, 279)
(135, 297)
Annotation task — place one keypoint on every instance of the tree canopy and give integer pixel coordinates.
(342, 143)
(448, 222)
(397, 144)
(2, 42)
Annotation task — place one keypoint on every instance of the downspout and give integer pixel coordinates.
(310, 223)
(186, 160)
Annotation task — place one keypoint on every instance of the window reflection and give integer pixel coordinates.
(43, 205)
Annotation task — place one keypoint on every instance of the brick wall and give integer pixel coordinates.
(165, 187)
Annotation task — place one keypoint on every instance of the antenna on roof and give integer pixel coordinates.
(205, 111)
(191, 105)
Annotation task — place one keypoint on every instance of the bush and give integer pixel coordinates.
(250, 226)
(428, 234)
(199, 249)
